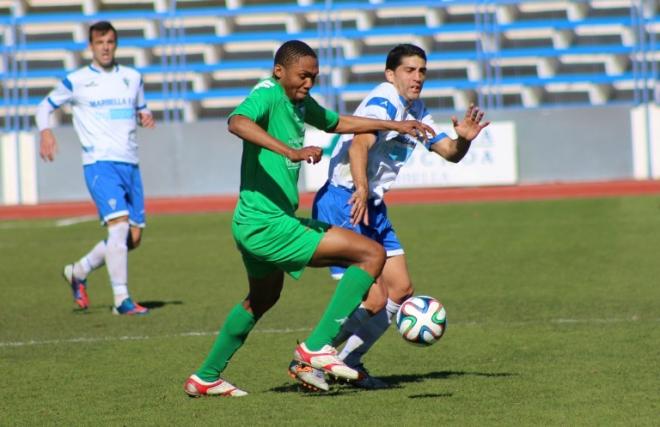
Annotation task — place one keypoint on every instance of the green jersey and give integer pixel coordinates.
(269, 181)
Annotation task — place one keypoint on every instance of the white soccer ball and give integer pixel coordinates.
(421, 320)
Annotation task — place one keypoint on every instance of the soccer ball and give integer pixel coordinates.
(421, 320)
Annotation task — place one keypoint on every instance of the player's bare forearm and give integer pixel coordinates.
(452, 150)
(358, 154)
(466, 130)
(355, 124)
(248, 130)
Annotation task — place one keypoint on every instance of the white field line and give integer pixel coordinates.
(75, 220)
(138, 337)
(292, 330)
(64, 222)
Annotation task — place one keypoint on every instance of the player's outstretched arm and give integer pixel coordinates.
(248, 130)
(47, 142)
(467, 130)
(355, 124)
(358, 154)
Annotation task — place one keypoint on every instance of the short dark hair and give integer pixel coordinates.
(401, 51)
(102, 27)
(291, 51)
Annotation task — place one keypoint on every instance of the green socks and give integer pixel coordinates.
(350, 291)
(348, 295)
(238, 325)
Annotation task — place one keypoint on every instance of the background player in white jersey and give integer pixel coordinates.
(363, 167)
(107, 102)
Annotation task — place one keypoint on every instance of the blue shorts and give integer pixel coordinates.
(116, 189)
(331, 206)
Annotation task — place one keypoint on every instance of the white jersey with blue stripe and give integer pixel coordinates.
(391, 149)
(104, 106)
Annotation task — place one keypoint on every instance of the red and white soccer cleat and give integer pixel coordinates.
(196, 387)
(325, 359)
(311, 378)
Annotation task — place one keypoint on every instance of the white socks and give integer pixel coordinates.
(392, 309)
(116, 260)
(354, 321)
(372, 328)
(93, 260)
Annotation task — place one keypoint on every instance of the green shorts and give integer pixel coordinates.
(285, 243)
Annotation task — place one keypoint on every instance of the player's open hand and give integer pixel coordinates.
(359, 209)
(47, 145)
(146, 120)
(471, 125)
(418, 130)
(309, 154)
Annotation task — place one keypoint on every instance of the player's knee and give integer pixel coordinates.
(376, 259)
(261, 302)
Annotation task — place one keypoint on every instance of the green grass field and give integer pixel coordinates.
(553, 311)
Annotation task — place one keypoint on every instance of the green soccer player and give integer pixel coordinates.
(271, 239)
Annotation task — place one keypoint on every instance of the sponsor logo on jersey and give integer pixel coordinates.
(96, 103)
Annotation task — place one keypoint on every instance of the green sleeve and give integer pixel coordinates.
(256, 106)
(320, 117)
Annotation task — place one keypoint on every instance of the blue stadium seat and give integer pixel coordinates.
(534, 53)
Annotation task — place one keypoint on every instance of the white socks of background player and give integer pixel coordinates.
(93, 260)
(364, 338)
(352, 324)
(116, 260)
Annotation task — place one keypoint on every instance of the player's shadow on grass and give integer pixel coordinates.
(102, 308)
(394, 381)
(151, 305)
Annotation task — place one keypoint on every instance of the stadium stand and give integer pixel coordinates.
(200, 57)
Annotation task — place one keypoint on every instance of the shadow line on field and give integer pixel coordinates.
(151, 305)
(430, 395)
(104, 308)
(394, 382)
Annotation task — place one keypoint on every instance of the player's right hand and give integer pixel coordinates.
(359, 209)
(309, 154)
(47, 145)
(418, 130)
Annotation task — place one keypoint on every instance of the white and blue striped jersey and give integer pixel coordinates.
(391, 149)
(104, 106)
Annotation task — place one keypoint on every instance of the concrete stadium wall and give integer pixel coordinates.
(175, 160)
(572, 144)
(557, 145)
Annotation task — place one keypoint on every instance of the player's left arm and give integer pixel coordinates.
(358, 154)
(144, 116)
(356, 124)
(466, 130)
